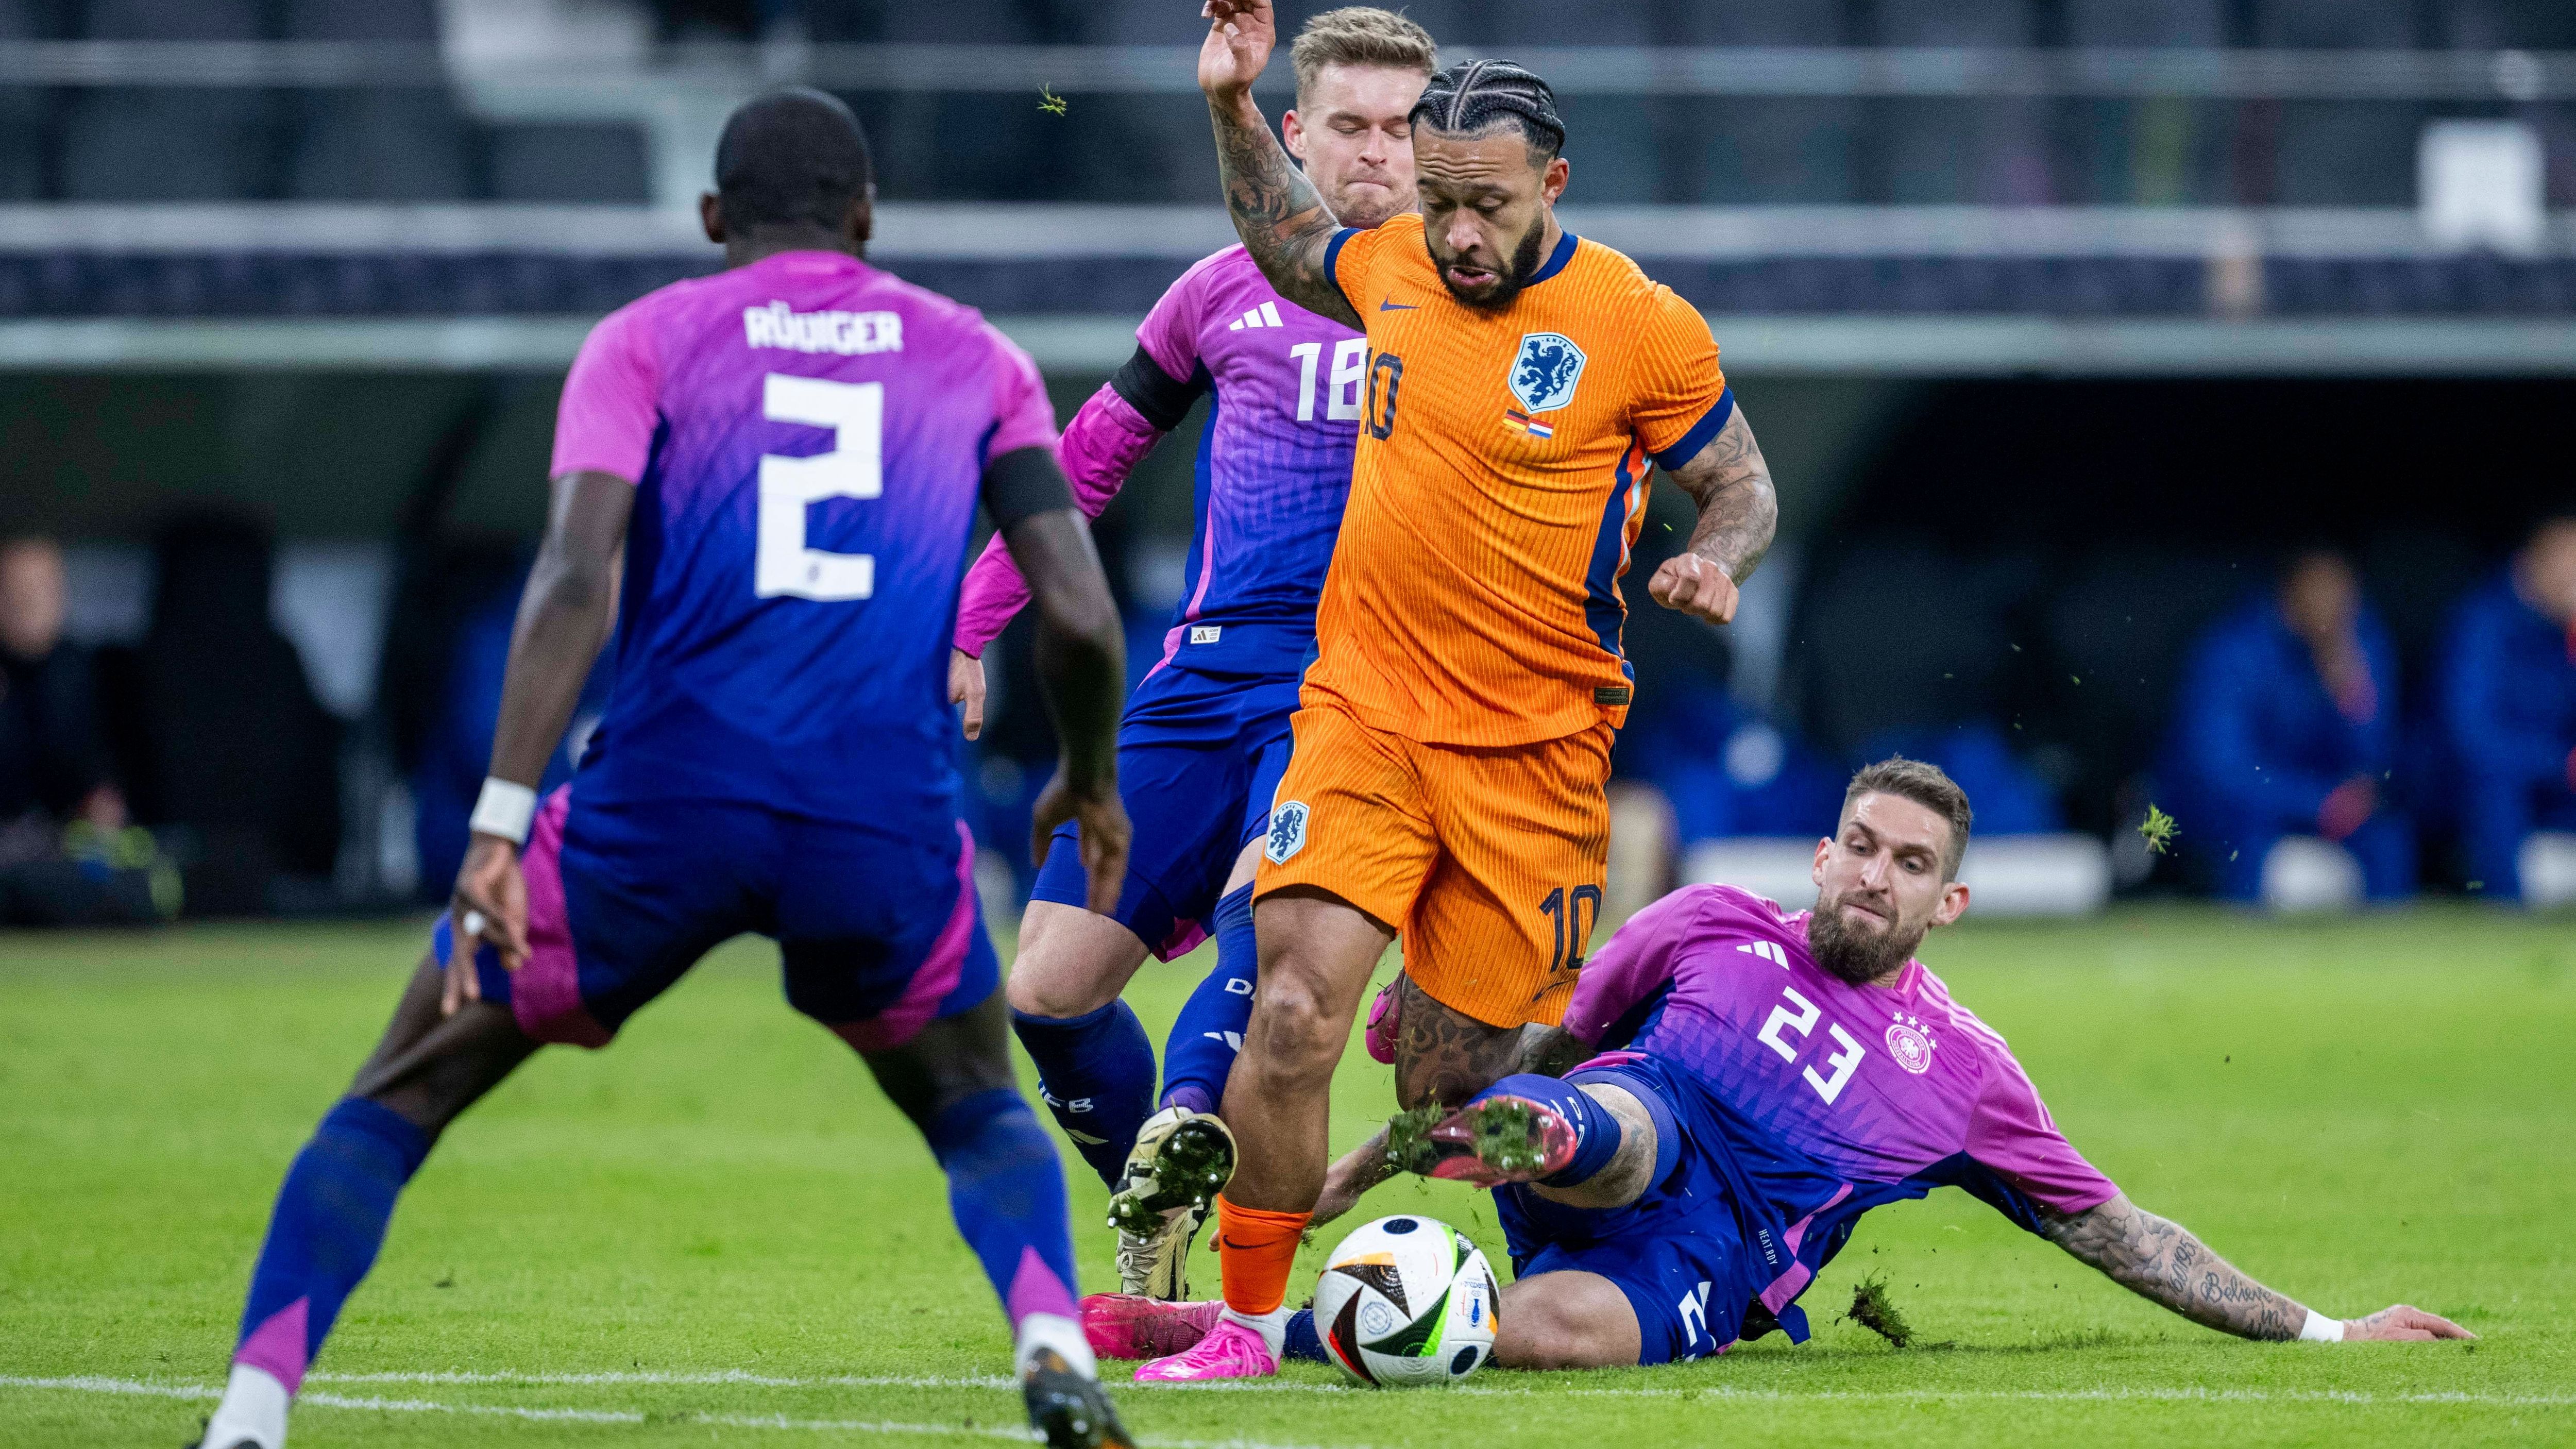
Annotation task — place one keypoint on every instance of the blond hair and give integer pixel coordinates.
(1360, 35)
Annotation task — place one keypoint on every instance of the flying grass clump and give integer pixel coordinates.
(2159, 830)
(1872, 1309)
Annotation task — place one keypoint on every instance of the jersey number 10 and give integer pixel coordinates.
(782, 566)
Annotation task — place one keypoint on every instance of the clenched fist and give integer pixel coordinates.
(1694, 586)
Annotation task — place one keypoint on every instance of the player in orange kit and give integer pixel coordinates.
(1453, 736)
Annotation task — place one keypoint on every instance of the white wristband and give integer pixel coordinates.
(2321, 1329)
(505, 809)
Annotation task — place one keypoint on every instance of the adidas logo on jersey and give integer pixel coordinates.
(1265, 315)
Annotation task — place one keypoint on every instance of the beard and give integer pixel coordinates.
(1858, 954)
(1514, 276)
(1371, 209)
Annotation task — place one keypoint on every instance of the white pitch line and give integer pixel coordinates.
(1739, 1393)
(94, 1384)
(1489, 1390)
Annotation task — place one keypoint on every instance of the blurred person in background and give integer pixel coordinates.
(53, 765)
(2508, 709)
(2287, 728)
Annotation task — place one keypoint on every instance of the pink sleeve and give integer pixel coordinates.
(1170, 333)
(1022, 415)
(1634, 964)
(2012, 1135)
(611, 400)
(1106, 441)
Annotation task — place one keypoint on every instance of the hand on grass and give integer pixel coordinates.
(2401, 1324)
(489, 908)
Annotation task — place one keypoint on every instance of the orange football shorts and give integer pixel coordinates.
(1487, 861)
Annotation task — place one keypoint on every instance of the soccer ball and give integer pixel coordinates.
(1407, 1301)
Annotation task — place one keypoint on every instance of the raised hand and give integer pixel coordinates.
(2401, 1324)
(1241, 35)
(1694, 586)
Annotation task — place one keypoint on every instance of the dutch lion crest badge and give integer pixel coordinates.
(1546, 370)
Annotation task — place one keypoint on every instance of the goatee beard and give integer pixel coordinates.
(1524, 265)
(1855, 953)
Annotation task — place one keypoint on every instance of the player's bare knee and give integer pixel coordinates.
(1541, 1333)
(1070, 962)
(1294, 1027)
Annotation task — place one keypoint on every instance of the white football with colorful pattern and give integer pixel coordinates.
(1407, 1301)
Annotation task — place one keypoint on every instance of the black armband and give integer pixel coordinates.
(1161, 399)
(1022, 484)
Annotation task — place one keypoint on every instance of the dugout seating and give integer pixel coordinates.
(377, 145)
(231, 746)
(170, 144)
(26, 113)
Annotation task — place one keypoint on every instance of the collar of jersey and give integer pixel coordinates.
(1556, 260)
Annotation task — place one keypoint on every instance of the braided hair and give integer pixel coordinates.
(1469, 97)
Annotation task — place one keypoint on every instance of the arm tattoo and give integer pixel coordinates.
(2159, 1259)
(1277, 212)
(1738, 510)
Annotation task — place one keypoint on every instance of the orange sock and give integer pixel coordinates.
(1255, 1250)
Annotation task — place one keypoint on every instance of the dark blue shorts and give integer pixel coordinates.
(1199, 758)
(1676, 1252)
(879, 932)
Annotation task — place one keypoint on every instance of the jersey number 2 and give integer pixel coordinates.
(783, 566)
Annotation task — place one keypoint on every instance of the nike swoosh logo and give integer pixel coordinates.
(1391, 305)
(1224, 1242)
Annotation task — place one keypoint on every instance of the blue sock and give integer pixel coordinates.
(1097, 1072)
(1209, 1031)
(1302, 1340)
(1596, 1132)
(1006, 1190)
(323, 1235)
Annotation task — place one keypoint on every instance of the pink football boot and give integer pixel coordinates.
(1490, 1141)
(1230, 1351)
(1127, 1325)
(1381, 1026)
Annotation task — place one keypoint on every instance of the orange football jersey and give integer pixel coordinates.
(1500, 482)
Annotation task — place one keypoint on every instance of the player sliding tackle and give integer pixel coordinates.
(1453, 736)
(812, 436)
(1757, 1080)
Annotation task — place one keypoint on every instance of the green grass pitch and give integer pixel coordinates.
(717, 1232)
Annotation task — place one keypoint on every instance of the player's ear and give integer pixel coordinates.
(1824, 848)
(711, 216)
(1954, 903)
(1292, 134)
(861, 222)
(1552, 181)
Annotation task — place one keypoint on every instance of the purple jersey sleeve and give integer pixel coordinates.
(1102, 445)
(1634, 964)
(1022, 415)
(611, 400)
(1170, 334)
(2012, 1135)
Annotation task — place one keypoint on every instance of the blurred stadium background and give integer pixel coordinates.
(2065, 323)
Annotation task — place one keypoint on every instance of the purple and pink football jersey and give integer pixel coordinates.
(807, 436)
(1274, 469)
(1831, 1097)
